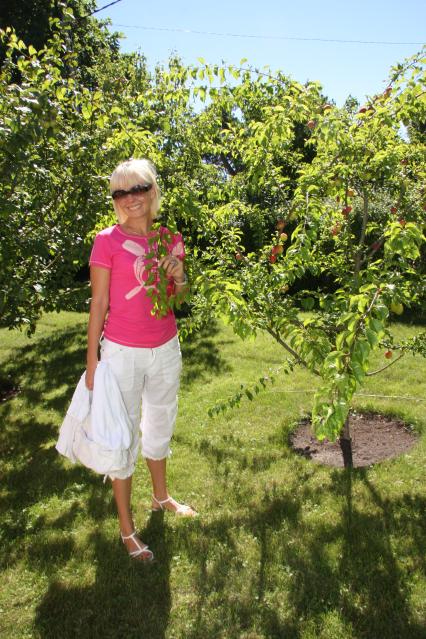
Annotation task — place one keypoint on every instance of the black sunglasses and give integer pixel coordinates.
(138, 188)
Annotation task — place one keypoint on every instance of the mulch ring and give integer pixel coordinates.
(374, 438)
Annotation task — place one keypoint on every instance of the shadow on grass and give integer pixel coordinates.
(122, 598)
(301, 570)
(202, 356)
(47, 371)
(228, 449)
(341, 575)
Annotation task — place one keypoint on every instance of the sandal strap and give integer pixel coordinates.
(131, 536)
(141, 547)
(180, 508)
(162, 501)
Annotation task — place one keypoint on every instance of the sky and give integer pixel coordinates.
(162, 28)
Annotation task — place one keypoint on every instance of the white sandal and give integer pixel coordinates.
(182, 510)
(141, 548)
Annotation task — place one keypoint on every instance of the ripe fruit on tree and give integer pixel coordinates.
(311, 124)
(326, 107)
(238, 256)
(283, 237)
(393, 209)
(280, 225)
(272, 258)
(277, 250)
(402, 222)
(350, 192)
(388, 354)
(362, 109)
(397, 308)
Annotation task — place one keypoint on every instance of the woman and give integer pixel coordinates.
(142, 348)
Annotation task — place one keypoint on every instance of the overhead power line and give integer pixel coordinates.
(104, 7)
(263, 37)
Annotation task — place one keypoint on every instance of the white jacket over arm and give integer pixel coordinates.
(96, 430)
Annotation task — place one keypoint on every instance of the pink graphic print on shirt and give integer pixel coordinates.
(139, 264)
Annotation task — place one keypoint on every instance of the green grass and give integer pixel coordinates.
(282, 549)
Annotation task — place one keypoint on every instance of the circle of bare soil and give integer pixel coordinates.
(374, 438)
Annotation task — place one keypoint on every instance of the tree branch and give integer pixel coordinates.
(358, 255)
(292, 352)
(379, 370)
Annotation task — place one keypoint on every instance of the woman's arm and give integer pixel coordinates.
(99, 278)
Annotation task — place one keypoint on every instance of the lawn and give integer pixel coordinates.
(282, 549)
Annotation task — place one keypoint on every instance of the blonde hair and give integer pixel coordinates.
(131, 172)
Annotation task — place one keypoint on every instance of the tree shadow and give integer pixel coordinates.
(366, 586)
(124, 598)
(346, 567)
(228, 449)
(201, 354)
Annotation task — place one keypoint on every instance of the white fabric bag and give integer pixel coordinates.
(97, 430)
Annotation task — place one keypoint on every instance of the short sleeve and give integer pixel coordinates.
(101, 252)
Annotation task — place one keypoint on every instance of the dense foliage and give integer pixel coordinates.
(287, 203)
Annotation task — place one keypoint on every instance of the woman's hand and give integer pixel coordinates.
(173, 267)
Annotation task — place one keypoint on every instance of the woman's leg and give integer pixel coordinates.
(122, 489)
(159, 409)
(157, 468)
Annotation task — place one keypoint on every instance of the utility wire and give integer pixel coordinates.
(104, 7)
(263, 37)
(308, 391)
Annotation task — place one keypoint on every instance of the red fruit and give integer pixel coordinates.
(362, 109)
(280, 225)
(311, 124)
(238, 256)
(388, 354)
(402, 222)
(393, 209)
(272, 258)
(336, 229)
(277, 250)
(404, 162)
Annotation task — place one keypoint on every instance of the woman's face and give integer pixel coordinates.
(136, 204)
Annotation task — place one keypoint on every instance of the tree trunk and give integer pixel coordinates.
(345, 442)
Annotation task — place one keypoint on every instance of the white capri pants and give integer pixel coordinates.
(148, 378)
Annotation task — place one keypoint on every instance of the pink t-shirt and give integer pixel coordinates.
(129, 320)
